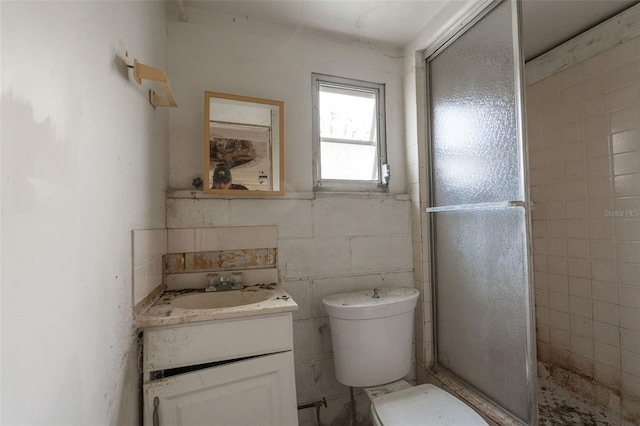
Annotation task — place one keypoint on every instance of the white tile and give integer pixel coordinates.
(576, 228)
(237, 238)
(181, 240)
(345, 217)
(183, 213)
(630, 363)
(622, 75)
(626, 141)
(542, 315)
(629, 296)
(626, 162)
(293, 218)
(311, 339)
(630, 340)
(607, 355)
(307, 257)
(628, 251)
(553, 174)
(579, 268)
(304, 381)
(624, 119)
(575, 190)
(596, 126)
(629, 274)
(540, 280)
(381, 253)
(630, 318)
(600, 208)
(559, 301)
(556, 246)
(543, 333)
(606, 333)
(582, 346)
(607, 313)
(580, 287)
(147, 244)
(598, 167)
(581, 327)
(594, 66)
(603, 270)
(581, 307)
(300, 292)
(605, 291)
(598, 146)
(148, 248)
(558, 283)
(556, 228)
(552, 156)
(572, 132)
(541, 297)
(625, 97)
(576, 209)
(602, 229)
(630, 384)
(396, 215)
(627, 185)
(560, 338)
(627, 229)
(621, 54)
(573, 172)
(578, 248)
(559, 320)
(600, 187)
(596, 105)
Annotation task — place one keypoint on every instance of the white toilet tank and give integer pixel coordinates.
(371, 332)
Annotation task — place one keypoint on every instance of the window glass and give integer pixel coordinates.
(347, 133)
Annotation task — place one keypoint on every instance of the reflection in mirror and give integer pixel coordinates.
(243, 144)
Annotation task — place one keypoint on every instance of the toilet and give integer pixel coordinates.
(371, 331)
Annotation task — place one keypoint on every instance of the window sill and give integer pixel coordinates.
(200, 195)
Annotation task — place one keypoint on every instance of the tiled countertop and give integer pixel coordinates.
(162, 312)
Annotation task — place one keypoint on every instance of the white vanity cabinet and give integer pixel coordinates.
(230, 372)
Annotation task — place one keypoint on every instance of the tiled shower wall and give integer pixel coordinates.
(584, 159)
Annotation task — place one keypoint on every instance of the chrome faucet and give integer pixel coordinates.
(217, 282)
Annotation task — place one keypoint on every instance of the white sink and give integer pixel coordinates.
(223, 299)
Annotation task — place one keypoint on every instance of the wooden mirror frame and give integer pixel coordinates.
(275, 170)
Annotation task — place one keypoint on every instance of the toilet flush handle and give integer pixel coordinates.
(375, 294)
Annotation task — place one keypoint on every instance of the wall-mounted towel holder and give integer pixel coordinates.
(145, 72)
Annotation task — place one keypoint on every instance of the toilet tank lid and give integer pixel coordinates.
(363, 304)
(424, 405)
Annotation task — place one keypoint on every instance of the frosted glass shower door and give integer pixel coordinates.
(483, 306)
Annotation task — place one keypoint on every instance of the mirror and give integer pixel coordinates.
(243, 145)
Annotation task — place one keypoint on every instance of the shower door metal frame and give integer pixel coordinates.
(473, 16)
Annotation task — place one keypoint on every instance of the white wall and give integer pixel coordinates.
(326, 244)
(244, 57)
(84, 161)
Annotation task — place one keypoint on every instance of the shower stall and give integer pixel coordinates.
(535, 188)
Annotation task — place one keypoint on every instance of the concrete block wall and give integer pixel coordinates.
(327, 244)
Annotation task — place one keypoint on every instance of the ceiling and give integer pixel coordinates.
(546, 23)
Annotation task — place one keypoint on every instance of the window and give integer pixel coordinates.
(348, 134)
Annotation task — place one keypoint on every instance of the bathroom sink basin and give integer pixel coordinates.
(223, 299)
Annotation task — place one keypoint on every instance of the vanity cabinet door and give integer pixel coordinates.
(256, 391)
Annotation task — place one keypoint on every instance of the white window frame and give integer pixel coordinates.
(320, 184)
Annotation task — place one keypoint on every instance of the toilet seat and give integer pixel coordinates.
(423, 405)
